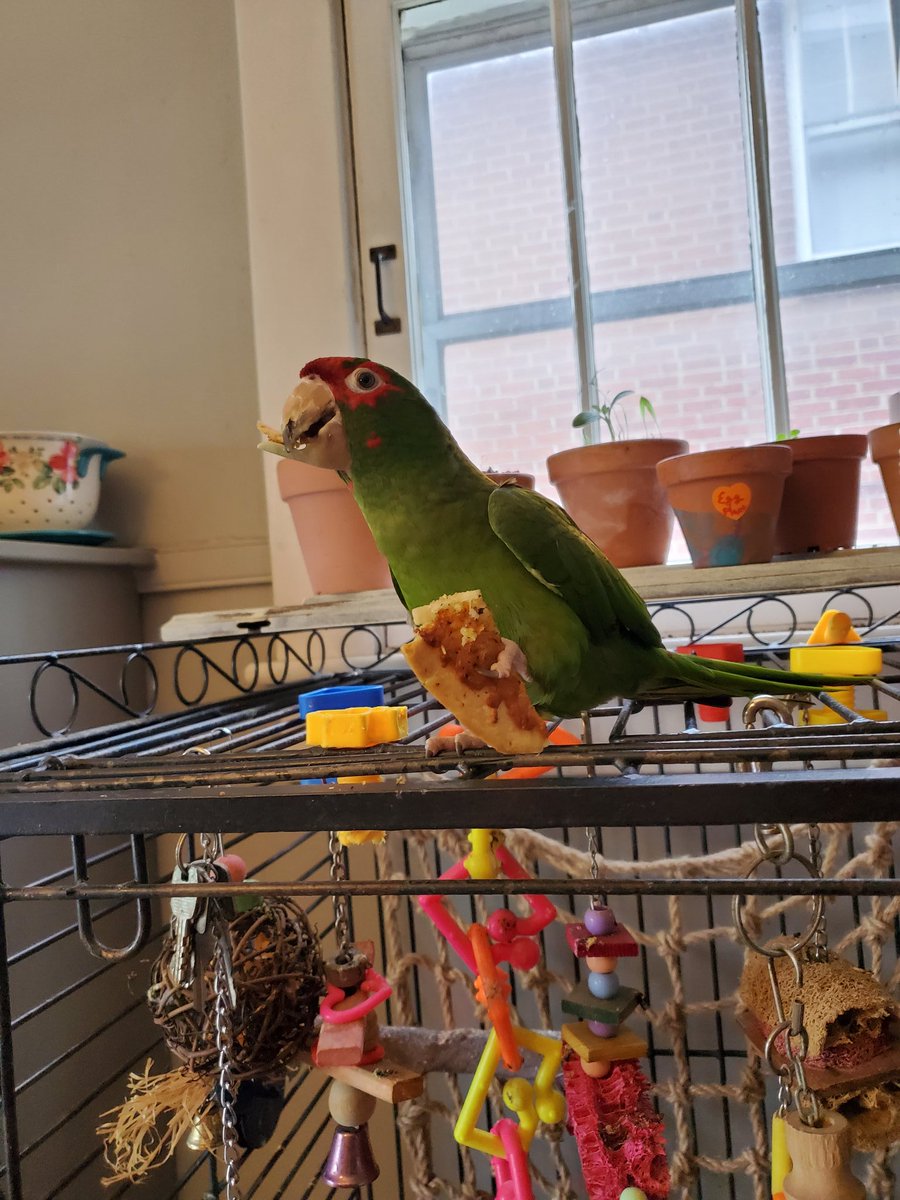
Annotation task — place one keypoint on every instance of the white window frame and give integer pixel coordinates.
(764, 283)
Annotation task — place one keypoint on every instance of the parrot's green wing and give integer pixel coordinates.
(400, 595)
(552, 547)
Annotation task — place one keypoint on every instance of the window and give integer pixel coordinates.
(845, 106)
(667, 231)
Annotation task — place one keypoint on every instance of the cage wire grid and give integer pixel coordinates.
(76, 1026)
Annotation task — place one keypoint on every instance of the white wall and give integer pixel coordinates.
(126, 310)
(300, 204)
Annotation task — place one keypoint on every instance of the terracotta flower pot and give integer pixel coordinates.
(612, 493)
(337, 544)
(727, 502)
(885, 443)
(820, 504)
(517, 477)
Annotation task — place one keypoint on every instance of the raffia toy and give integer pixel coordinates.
(278, 978)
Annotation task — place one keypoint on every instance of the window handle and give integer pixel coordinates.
(384, 324)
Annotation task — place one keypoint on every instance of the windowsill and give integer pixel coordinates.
(843, 569)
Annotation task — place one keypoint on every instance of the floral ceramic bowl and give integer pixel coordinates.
(50, 480)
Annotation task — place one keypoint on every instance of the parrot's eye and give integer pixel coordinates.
(364, 380)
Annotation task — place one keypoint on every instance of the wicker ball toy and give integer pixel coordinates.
(278, 979)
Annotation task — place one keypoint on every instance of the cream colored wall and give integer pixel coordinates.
(300, 211)
(125, 279)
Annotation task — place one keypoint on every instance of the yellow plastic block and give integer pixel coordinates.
(834, 628)
(824, 716)
(357, 728)
(348, 728)
(836, 660)
(591, 1048)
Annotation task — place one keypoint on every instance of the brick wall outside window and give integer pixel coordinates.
(665, 201)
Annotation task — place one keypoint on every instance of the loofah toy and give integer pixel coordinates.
(853, 1060)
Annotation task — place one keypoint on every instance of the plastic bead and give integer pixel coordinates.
(596, 1069)
(234, 865)
(604, 1029)
(599, 920)
(601, 965)
(604, 987)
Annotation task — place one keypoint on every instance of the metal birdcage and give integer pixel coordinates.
(653, 811)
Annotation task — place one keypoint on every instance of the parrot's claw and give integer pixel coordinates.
(459, 743)
(511, 661)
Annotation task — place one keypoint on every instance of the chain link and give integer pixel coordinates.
(818, 948)
(338, 873)
(224, 1041)
(776, 845)
(593, 851)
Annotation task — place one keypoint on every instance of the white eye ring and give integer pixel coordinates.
(363, 379)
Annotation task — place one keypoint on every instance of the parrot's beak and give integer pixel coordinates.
(312, 429)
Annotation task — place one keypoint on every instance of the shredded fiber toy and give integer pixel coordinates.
(159, 1111)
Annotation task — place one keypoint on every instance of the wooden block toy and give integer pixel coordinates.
(340, 1045)
(384, 1080)
(617, 944)
(591, 1048)
(581, 1003)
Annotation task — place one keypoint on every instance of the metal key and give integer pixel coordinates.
(185, 910)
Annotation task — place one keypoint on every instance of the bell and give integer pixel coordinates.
(206, 1132)
(350, 1162)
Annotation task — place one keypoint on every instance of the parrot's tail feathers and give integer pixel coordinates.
(747, 679)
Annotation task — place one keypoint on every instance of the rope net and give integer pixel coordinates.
(709, 1084)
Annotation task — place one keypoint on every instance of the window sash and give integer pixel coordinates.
(495, 36)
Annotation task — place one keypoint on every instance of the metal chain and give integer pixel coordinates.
(818, 947)
(224, 1042)
(338, 874)
(775, 843)
(593, 851)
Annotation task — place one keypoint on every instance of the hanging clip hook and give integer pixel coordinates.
(83, 906)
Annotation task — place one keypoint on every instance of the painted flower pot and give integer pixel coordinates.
(613, 494)
(820, 504)
(50, 480)
(337, 545)
(885, 446)
(727, 502)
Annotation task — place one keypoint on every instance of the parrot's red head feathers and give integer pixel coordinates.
(314, 429)
(352, 381)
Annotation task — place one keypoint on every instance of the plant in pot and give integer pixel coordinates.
(727, 501)
(610, 489)
(820, 504)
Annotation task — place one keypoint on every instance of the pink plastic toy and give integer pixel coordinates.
(511, 1173)
(512, 937)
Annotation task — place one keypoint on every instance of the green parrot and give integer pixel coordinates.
(574, 628)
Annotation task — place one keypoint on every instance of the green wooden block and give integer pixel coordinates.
(582, 1004)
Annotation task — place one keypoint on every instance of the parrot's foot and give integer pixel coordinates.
(511, 661)
(459, 743)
